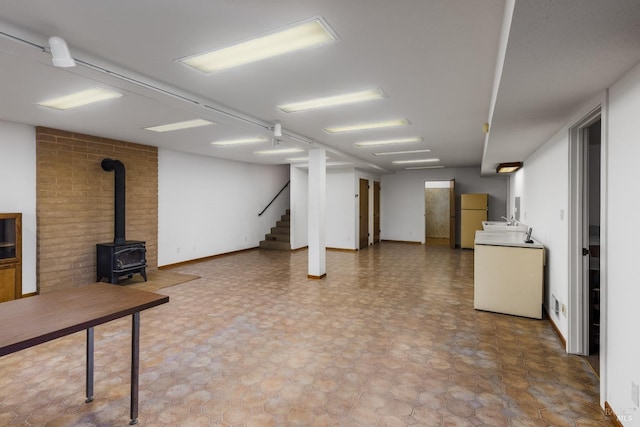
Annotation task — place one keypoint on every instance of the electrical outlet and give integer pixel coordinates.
(635, 394)
(564, 310)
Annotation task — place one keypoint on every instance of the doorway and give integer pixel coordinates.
(376, 212)
(586, 287)
(591, 282)
(363, 199)
(439, 213)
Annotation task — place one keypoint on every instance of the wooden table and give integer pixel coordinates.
(31, 321)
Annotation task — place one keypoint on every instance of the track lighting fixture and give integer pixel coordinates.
(61, 56)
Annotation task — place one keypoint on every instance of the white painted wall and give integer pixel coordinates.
(341, 209)
(623, 286)
(210, 206)
(543, 187)
(299, 206)
(18, 191)
(402, 199)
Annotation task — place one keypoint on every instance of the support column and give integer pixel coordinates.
(317, 213)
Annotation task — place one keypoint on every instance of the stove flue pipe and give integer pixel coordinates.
(119, 202)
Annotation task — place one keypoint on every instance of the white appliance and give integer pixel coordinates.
(473, 210)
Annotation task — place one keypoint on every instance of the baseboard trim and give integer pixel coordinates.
(342, 250)
(310, 276)
(608, 411)
(207, 258)
(412, 242)
(30, 294)
(555, 328)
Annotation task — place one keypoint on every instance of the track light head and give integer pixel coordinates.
(61, 56)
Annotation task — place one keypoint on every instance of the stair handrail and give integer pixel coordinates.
(274, 198)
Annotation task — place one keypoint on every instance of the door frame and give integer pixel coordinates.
(363, 212)
(376, 211)
(452, 209)
(577, 336)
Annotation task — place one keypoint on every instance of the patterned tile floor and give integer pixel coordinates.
(388, 338)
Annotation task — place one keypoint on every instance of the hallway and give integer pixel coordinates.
(388, 338)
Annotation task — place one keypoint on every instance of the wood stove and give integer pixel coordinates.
(121, 257)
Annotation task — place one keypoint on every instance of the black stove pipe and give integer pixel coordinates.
(119, 202)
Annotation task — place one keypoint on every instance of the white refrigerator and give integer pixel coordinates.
(473, 210)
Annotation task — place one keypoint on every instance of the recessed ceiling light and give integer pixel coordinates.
(400, 162)
(79, 99)
(508, 167)
(278, 151)
(391, 153)
(240, 141)
(425, 167)
(180, 125)
(388, 141)
(310, 33)
(367, 126)
(330, 101)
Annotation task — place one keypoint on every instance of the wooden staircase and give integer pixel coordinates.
(279, 238)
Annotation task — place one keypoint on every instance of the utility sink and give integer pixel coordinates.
(502, 226)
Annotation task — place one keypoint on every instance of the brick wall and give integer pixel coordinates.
(75, 199)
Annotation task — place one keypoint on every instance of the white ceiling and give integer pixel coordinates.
(435, 60)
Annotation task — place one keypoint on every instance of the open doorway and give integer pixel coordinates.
(592, 213)
(439, 213)
(363, 211)
(585, 239)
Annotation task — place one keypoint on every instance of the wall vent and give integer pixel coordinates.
(555, 305)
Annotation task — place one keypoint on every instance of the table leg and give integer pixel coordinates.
(89, 365)
(135, 366)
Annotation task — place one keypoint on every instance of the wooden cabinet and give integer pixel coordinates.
(10, 256)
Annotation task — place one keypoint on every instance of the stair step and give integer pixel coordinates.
(285, 218)
(278, 237)
(283, 224)
(272, 244)
(280, 230)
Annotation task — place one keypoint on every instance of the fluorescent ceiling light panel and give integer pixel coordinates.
(367, 126)
(392, 153)
(331, 101)
(387, 142)
(238, 141)
(300, 159)
(79, 99)
(311, 33)
(180, 125)
(425, 167)
(278, 151)
(401, 162)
